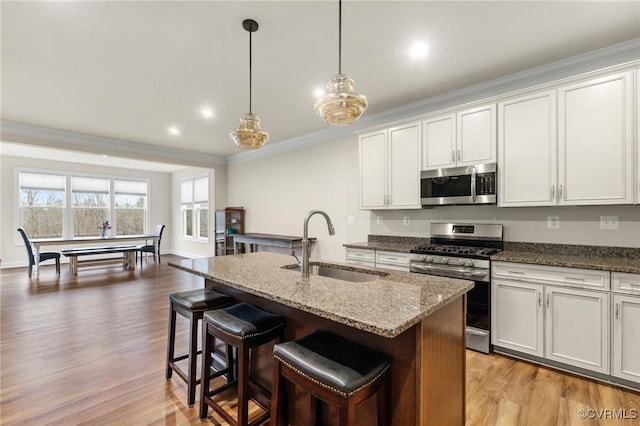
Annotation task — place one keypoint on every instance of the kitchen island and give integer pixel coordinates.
(418, 320)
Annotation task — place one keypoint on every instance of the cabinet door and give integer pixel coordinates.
(373, 169)
(476, 135)
(404, 166)
(517, 316)
(577, 328)
(595, 141)
(626, 337)
(637, 181)
(527, 144)
(439, 142)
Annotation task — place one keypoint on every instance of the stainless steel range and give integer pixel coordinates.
(462, 251)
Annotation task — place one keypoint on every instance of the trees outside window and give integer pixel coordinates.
(42, 204)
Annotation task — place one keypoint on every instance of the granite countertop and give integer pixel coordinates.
(386, 306)
(379, 245)
(615, 259)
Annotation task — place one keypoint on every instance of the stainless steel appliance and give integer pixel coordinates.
(462, 251)
(459, 185)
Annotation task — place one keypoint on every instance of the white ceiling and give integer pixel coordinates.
(128, 70)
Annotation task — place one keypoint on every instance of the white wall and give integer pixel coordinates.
(12, 247)
(217, 189)
(279, 190)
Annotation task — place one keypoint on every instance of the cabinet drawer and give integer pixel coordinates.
(360, 254)
(392, 258)
(555, 275)
(626, 283)
(360, 262)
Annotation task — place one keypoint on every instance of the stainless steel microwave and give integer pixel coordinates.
(459, 185)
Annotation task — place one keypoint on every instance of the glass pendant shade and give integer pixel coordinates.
(248, 134)
(341, 104)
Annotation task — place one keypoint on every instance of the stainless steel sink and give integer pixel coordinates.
(351, 274)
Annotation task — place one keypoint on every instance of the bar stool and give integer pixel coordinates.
(245, 327)
(333, 370)
(192, 305)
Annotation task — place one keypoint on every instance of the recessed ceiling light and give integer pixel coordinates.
(418, 50)
(318, 91)
(206, 112)
(174, 130)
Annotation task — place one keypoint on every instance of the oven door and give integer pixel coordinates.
(478, 317)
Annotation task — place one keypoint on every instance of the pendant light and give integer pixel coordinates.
(341, 105)
(249, 135)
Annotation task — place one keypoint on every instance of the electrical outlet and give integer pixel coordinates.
(553, 222)
(609, 223)
(379, 220)
(350, 220)
(407, 221)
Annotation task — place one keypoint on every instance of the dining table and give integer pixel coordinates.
(103, 241)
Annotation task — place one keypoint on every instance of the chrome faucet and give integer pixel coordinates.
(305, 238)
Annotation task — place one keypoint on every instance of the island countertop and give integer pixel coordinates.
(386, 306)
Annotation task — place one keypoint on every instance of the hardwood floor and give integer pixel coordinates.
(90, 350)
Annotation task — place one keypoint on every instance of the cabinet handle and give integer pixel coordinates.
(617, 311)
(548, 302)
(539, 299)
(560, 193)
(515, 272)
(458, 155)
(553, 192)
(453, 155)
(574, 279)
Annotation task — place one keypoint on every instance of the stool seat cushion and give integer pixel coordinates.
(338, 364)
(244, 320)
(201, 299)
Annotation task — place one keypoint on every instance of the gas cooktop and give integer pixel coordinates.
(455, 250)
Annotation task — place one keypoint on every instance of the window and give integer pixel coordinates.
(58, 205)
(130, 206)
(194, 197)
(42, 204)
(90, 205)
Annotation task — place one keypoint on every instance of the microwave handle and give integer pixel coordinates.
(473, 185)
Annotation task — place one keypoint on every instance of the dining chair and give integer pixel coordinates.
(150, 248)
(45, 255)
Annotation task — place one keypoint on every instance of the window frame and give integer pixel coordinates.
(194, 207)
(67, 226)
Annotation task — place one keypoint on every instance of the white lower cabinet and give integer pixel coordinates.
(518, 317)
(577, 328)
(626, 326)
(561, 314)
(377, 259)
(392, 260)
(362, 257)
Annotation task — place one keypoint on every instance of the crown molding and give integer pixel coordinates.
(625, 54)
(12, 131)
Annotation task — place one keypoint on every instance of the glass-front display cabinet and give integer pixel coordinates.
(229, 221)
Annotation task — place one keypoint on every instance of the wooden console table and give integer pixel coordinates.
(255, 239)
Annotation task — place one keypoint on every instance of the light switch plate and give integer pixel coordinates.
(349, 220)
(553, 222)
(407, 220)
(379, 220)
(609, 223)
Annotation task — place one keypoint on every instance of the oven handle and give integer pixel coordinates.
(476, 333)
(472, 275)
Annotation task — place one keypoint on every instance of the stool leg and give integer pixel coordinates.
(171, 340)
(315, 410)
(207, 347)
(243, 385)
(347, 413)
(383, 402)
(193, 356)
(278, 408)
(231, 372)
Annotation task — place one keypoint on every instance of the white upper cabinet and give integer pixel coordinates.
(578, 153)
(595, 141)
(390, 168)
(527, 146)
(463, 138)
(637, 135)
